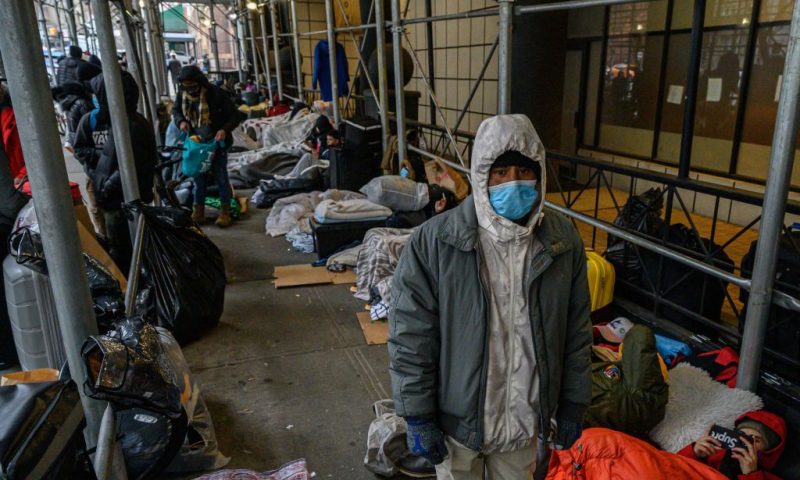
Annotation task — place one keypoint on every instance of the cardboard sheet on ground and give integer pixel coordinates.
(375, 333)
(305, 274)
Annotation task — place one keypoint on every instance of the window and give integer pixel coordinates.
(762, 104)
(721, 62)
(630, 90)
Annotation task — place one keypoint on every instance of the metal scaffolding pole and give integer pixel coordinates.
(298, 57)
(158, 43)
(399, 94)
(504, 61)
(72, 24)
(43, 25)
(252, 25)
(116, 101)
(383, 81)
(329, 19)
(151, 54)
(772, 215)
(85, 27)
(241, 32)
(276, 48)
(265, 44)
(47, 172)
(214, 41)
(59, 28)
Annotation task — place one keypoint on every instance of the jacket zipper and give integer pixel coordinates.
(510, 336)
(484, 367)
(544, 422)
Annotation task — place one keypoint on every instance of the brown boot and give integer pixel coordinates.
(199, 214)
(224, 219)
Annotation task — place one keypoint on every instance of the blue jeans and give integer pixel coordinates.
(219, 168)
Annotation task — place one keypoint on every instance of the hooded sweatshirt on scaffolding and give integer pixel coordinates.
(511, 418)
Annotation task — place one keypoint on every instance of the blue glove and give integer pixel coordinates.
(425, 439)
(568, 433)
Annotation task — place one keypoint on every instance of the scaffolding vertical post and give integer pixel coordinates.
(72, 24)
(116, 101)
(47, 172)
(772, 216)
(276, 49)
(298, 57)
(252, 25)
(151, 52)
(241, 31)
(692, 81)
(265, 44)
(383, 81)
(399, 94)
(59, 28)
(43, 23)
(214, 41)
(85, 27)
(331, 26)
(505, 19)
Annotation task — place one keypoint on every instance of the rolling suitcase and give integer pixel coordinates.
(601, 277)
(34, 321)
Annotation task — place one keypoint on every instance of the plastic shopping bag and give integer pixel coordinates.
(197, 156)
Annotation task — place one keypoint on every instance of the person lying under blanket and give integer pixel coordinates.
(761, 439)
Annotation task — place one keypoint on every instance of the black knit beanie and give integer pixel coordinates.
(513, 158)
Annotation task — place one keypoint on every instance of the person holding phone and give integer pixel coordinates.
(762, 439)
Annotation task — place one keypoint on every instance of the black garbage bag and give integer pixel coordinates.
(25, 246)
(641, 213)
(109, 301)
(149, 441)
(184, 270)
(129, 367)
(107, 296)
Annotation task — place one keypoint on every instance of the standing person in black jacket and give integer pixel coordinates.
(68, 66)
(206, 110)
(75, 99)
(95, 150)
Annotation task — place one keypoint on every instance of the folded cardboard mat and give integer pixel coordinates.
(305, 274)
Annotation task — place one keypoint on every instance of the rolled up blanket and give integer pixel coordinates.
(356, 210)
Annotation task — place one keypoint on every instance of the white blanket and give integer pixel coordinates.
(696, 401)
(354, 210)
(297, 210)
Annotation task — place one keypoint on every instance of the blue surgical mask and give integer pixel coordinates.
(513, 200)
(404, 172)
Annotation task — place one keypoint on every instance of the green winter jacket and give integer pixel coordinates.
(437, 325)
(630, 395)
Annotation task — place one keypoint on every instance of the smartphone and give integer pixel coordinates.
(729, 439)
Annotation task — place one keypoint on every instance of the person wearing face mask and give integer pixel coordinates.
(205, 110)
(489, 330)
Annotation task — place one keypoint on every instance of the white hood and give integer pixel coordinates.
(497, 135)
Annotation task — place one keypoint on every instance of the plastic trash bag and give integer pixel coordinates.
(130, 368)
(109, 301)
(199, 450)
(398, 193)
(641, 213)
(185, 272)
(387, 452)
(149, 441)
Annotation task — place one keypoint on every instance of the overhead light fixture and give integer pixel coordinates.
(252, 6)
(207, 22)
(233, 16)
(745, 21)
(639, 27)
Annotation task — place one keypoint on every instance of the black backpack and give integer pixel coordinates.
(783, 330)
